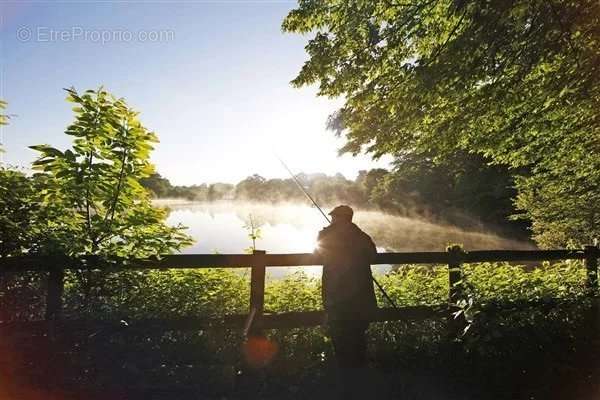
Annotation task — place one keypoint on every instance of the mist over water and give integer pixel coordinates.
(293, 228)
(397, 233)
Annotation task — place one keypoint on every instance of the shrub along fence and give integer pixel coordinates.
(256, 318)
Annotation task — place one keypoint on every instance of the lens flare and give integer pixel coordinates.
(259, 351)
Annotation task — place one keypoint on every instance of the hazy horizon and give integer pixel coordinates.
(267, 177)
(301, 222)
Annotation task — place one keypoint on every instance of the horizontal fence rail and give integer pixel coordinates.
(257, 319)
(187, 261)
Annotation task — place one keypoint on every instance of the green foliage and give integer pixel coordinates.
(157, 185)
(516, 82)
(19, 212)
(22, 296)
(252, 226)
(295, 292)
(251, 188)
(415, 285)
(505, 283)
(369, 180)
(211, 359)
(160, 187)
(92, 190)
(217, 292)
(160, 294)
(460, 189)
(564, 208)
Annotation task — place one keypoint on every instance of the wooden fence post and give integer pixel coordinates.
(257, 287)
(56, 286)
(591, 265)
(455, 292)
(592, 322)
(454, 273)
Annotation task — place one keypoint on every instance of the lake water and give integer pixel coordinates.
(292, 228)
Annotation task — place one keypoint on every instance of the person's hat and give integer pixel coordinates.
(342, 211)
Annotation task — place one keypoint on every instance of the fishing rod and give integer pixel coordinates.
(387, 297)
(304, 190)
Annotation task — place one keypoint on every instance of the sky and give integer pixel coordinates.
(211, 79)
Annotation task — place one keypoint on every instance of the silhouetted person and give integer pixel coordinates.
(347, 287)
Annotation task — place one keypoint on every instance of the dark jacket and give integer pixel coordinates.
(347, 286)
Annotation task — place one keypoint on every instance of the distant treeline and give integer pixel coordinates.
(463, 190)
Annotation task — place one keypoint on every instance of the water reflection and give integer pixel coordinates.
(292, 228)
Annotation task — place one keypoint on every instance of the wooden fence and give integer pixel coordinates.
(258, 262)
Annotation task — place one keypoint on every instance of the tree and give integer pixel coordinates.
(514, 81)
(461, 189)
(157, 185)
(18, 207)
(368, 180)
(220, 191)
(251, 188)
(93, 190)
(564, 211)
(18, 213)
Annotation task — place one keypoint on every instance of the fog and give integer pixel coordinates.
(293, 227)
